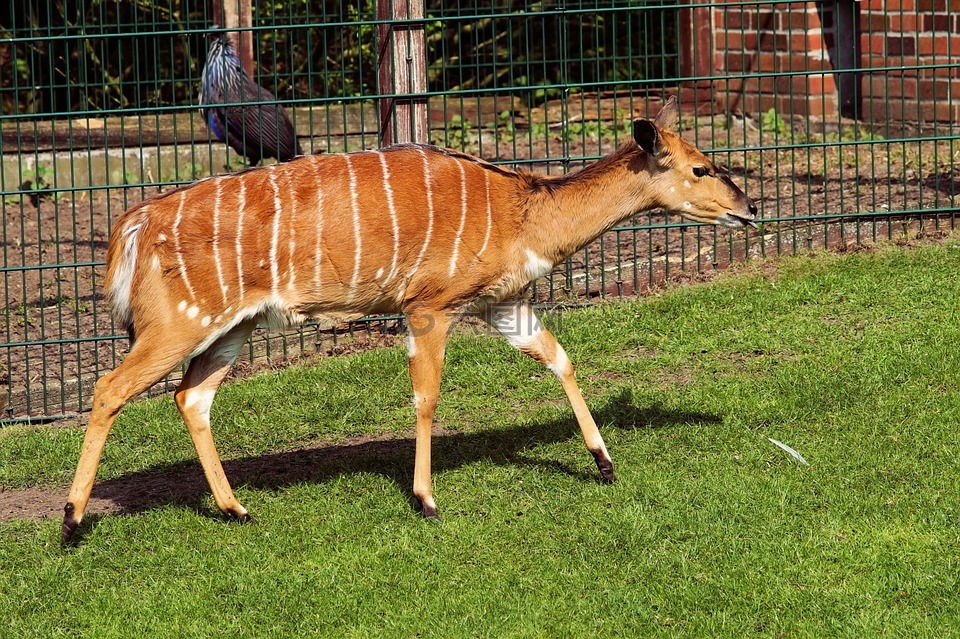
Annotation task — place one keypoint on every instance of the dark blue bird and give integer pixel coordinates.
(240, 112)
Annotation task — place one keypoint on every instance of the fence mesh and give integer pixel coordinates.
(840, 118)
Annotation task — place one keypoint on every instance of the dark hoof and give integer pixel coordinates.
(606, 469)
(240, 518)
(430, 513)
(69, 524)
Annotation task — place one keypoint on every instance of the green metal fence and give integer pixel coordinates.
(839, 118)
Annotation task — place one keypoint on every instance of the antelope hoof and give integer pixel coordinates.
(239, 517)
(70, 524)
(606, 468)
(429, 512)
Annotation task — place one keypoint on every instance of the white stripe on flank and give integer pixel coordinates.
(486, 238)
(393, 216)
(276, 229)
(426, 241)
(356, 229)
(463, 218)
(176, 245)
(317, 249)
(241, 204)
(216, 239)
(291, 272)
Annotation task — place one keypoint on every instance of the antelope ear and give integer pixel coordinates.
(646, 135)
(668, 116)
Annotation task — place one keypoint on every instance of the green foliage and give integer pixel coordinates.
(59, 48)
(771, 122)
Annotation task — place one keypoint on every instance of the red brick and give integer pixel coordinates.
(797, 19)
(873, 44)
(942, 89)
(902, 22)
(939, 112)
(870, 21)
(766, 62)
(900, 46)
(935, 22)
(940, 45)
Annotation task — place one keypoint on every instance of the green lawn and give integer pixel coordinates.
(711, 531)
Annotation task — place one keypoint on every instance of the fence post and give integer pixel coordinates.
(697, 53)
(402, 64)
(237, 14)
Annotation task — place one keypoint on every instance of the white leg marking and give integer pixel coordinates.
(516, 321)
(536, 265)
(411, 343)
(393, 216)
(486, 237)
(317, 249)
(463, 218)
(356, 229)
(200, 399)
(561, 364)
(426, 240)
(276, 230)
(176, 245)
(241, 204)
(216, 239)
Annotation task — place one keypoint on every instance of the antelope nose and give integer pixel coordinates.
(752, 207)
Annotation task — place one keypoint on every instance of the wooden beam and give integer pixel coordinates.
(402, 64)
(237, 15)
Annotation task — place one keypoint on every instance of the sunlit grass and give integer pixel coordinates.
(711, 531)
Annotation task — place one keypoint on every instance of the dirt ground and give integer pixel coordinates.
(60, 337)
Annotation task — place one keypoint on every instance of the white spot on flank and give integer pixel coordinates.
(686, 183)
(192, 312)
(205, 321)
(216, 238)
(155, 263)
(686, 205)
(182, 306)
(393, 216)
(379, 273)
(176, 245)
(161, 237)
(673, 189)
(355, 205)
(463, 218)
(429, 192)
(241, 203)
(536, 265)
(274, 240)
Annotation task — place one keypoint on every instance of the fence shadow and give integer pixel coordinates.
(184, 483)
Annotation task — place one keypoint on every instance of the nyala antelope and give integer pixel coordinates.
(428, 232)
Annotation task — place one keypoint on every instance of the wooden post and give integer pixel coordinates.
(237, 14)
(697, 52)
(402, 64)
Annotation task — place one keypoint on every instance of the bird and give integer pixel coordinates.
(241, 113)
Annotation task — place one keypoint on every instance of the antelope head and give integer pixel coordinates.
(684, 180)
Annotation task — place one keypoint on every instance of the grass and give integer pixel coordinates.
(711, 531)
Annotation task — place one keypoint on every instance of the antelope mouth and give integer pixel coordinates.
(736, 220)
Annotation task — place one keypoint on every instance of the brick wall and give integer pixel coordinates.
(804, 55)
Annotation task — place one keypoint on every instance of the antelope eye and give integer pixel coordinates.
(701, 171)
